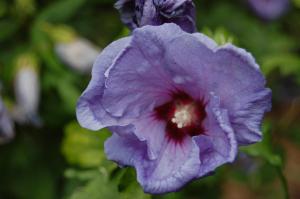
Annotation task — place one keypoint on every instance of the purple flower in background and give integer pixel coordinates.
(79, 47)
(178, 105)
(27, 92)
(6, 125)
(269, 9)
(137, 13)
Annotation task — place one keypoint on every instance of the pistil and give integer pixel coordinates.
(184, 115)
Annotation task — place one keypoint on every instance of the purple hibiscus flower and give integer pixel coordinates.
(178, 105)
(137, 13)
(269, 9)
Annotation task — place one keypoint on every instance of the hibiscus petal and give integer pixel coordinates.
(218, 146)
(149, 14)
(250, 100)
(176, 165)
(152, 131)
(90, 112)
(136, 82)
(126, 150)
(248, 116)
(146, 129)
(208, 42)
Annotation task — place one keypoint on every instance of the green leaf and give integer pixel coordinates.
(8, 29)
(124, 33)
(43, 47)
(3, 8)
(258, 38)
(24, 8)
(296, 3)
(68, 93)
(98, 188)
(129, 188)
(220, 35)
(264, 149)
(119, 183)
(83, 147)
(61, 10)
(287, 63)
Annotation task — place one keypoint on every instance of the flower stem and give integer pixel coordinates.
(283, 182)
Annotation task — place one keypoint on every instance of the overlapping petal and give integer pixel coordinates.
(137, 81)
(152, 131)
(126, 150)
(218, 146)
(90, 112)
(175, 165)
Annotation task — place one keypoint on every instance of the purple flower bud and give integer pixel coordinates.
(6, 125)
(27, 91)
(69, 47)
(176, 115)
(269, 9)
(137, 13)
(71, 51)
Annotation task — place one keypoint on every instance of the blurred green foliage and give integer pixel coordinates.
(63, 160)
(83, 147)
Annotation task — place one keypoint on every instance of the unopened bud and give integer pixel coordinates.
(27, 90)
(79, 54)
(76, 52)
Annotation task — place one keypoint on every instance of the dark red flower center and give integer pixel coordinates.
(183, 115)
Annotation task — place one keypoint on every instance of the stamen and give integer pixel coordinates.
(184, 115)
